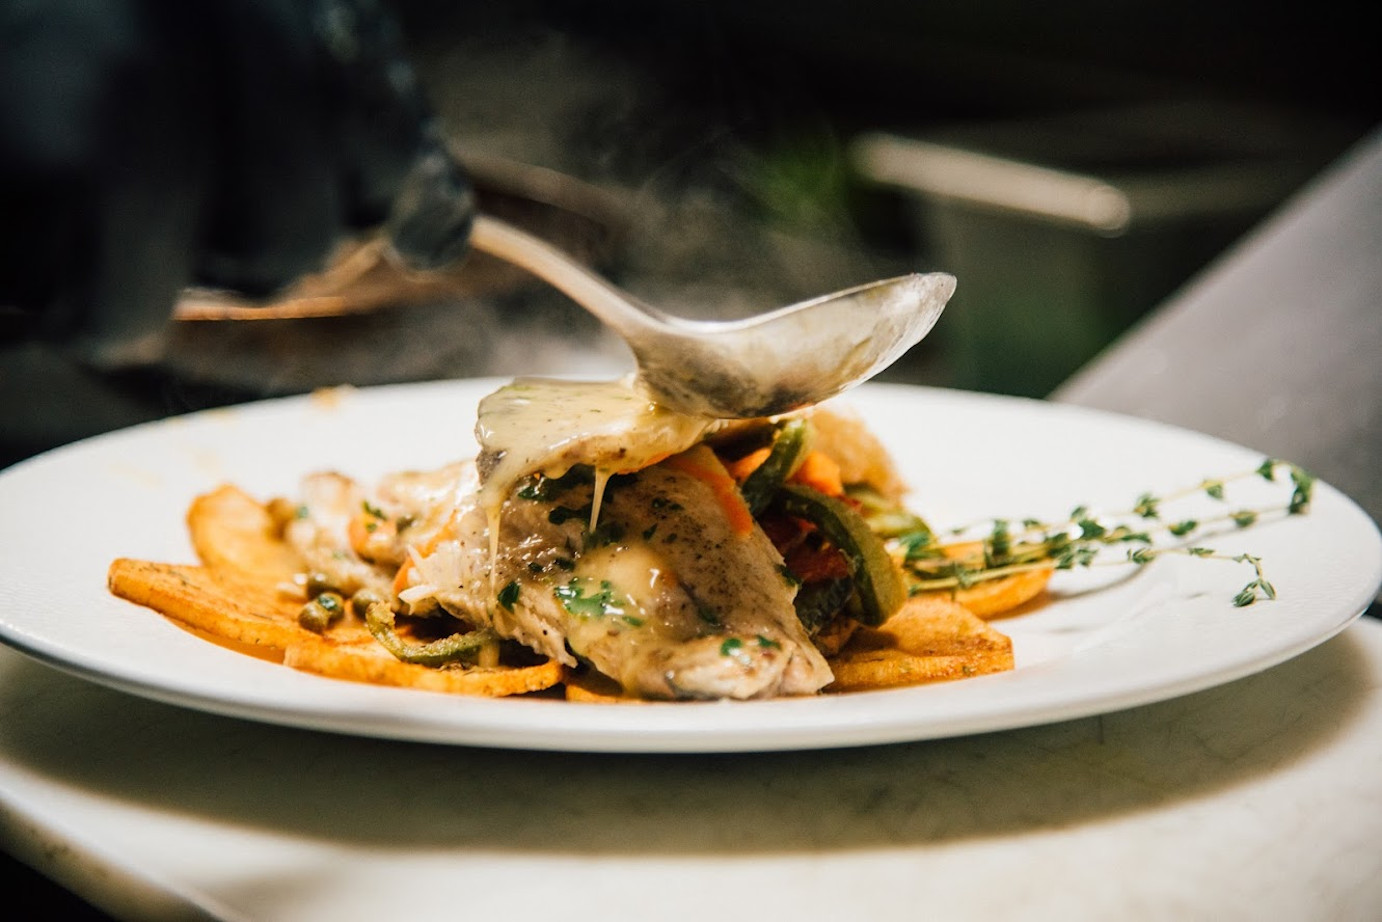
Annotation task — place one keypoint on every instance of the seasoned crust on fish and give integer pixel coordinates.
(663, 595)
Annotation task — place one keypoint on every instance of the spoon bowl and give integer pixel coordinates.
(763, 365)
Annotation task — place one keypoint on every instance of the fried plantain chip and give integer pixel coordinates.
(236, 598)
(234, 534)
(241, 597)
(226, 608)
(930, 639)
(369, 662)
(992, 598)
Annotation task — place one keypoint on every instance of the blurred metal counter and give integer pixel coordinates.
(1278, 345)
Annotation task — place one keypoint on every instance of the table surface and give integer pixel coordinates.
(1257, 799)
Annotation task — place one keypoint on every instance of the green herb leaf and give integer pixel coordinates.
(998, 547)
(1304, 488)
(1090, 529)
(1146, 506)
(509, 595)
(576, 599)
(930, 564)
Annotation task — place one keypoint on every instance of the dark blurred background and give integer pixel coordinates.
(764, 152)
(1071, 163)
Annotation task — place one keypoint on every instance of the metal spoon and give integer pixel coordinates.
(764, 365)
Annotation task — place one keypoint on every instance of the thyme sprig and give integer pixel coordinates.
(1084, 539)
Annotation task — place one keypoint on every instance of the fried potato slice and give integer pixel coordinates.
(930, 639)
(237, 598)
(234, 534)
(260, 621)
(369, 662)
(993, 598)
(241, 597)
(240, 612)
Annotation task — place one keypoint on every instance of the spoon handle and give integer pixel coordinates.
(610, 304)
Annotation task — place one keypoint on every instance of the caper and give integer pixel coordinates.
(319, 614)
(319, 582)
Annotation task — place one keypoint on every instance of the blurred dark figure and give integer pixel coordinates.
(148, 145)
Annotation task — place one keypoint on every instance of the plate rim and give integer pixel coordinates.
(364, 710)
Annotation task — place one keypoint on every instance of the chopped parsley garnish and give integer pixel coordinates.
(509, 595)
(576, 598)
(540, 488)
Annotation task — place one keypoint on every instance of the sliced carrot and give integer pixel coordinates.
(367, 528)
(701, 463)
(741, 468)
(358, 531)
(400, 579)
(820, 471)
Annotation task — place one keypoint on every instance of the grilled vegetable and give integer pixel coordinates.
(380, 621)
(879, 585)
(788, 449)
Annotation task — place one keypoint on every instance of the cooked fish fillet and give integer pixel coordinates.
(664, 595)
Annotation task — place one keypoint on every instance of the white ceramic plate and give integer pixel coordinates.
(1108, 639)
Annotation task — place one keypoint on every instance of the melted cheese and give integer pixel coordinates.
(548, 426)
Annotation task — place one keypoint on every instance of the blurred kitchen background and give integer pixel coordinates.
(1072, 164)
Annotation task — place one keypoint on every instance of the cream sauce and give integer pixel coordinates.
(547, 426)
